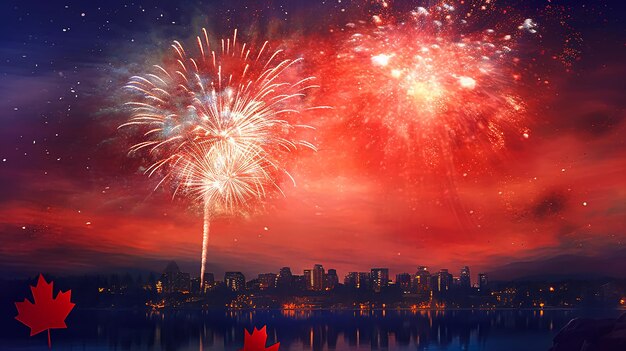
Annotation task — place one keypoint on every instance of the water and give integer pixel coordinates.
(175, 330)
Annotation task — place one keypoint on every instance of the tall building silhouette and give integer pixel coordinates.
(465, 278)
(318, 278)
(482, 283)
(444, 281)
(357, 280)
(380, 278)
(285, 278)
(267, 281)
(403, 280)
(350, 280)
(332, 280)
(235, 281)
(308, 277)
(173, 280)
(421, 282)
(209, 279)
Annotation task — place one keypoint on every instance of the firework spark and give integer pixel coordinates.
(436, 87)
(216, 124)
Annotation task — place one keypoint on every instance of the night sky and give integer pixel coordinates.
(72, 201)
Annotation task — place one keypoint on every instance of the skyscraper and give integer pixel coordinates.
(318, 277)
(444, 281)
(267, 281)
(173, 280)
(465, 278)
(357, 280)
(380, 278)
(209, 281)
(350, 280)
(421, 283)
(363, 280)
(482, 283)
(332, 280)
(285, 278)
(300, 282)
(403, 280)
(308, 277)
(236, 281)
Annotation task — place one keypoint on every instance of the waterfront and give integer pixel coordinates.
(174, 330)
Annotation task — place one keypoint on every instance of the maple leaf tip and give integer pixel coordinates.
(42, 280)
(256, 340)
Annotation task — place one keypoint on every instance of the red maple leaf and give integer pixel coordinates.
(47, 312)
(256, 341)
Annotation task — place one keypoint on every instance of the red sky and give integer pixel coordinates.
(71, 202)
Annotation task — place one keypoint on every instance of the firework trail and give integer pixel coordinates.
(217, 124)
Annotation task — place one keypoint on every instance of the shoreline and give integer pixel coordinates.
(225, 309)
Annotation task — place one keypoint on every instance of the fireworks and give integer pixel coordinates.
(216, 124)
(435, 87)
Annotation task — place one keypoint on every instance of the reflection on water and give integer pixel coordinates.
(303, 330)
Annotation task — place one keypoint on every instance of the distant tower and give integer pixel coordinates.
(308, 277)
(364, 280)
(350, 279)
(236, 281)
(173, 280)
(444, 281)
(465, 278)
(209, 280)
(267, 281)
(421, 283)
(169, 277)
(380, 278)
(318, 277)
(332, 280)
(482, 282)
(285, 278)
(403, 280)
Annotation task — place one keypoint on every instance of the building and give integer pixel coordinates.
(350, 281)
(301, 282)
(267, 281)
(253, 285)
(380, 278)
(173, 280)
(444, 281)
(209, 281)
(318, 278)
(421, 282)
(284, 279)
(235, 281)
(357, 280)
(208, 284)
(308, 277)
(364, 280)
(482, 283)
(332, 280)
(403, 280)
(465, 280)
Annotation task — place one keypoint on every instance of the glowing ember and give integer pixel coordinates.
(435, 84)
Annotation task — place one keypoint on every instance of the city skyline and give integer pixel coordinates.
(368, 290)
(570, 266)
(317, 281)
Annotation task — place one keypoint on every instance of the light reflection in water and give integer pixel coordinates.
(315, 330)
